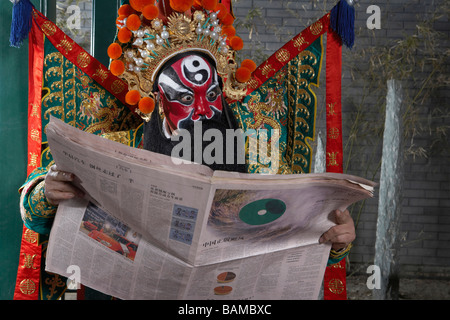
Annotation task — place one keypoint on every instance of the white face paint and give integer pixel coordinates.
(169, 82)
(195, 70)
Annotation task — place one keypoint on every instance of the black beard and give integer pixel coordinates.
(156, 141)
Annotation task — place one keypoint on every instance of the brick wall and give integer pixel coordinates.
(425, 225)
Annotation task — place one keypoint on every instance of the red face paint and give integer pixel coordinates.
(190, 91)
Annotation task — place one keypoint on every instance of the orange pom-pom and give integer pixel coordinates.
(139, 5)
(132, 97)
(197, 4)
(209, 4)
(150, 12)
(146, 105)
(228, 19)
(243, 74)
(222, 11)
(124, 35)
(181, 5)
(249, 64)
(236, 43)
(125, 10)
(133, 22)
(117, 67)
(114, 50)
(229, 31)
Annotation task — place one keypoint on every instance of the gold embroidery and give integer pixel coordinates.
(308, 55)
(302, 159)
(282, 55)
(299, 42)
(330, 109)
(91, 104)
(30, 236)
(35, 111)
(70, 93)
(35, 135)
(252, 83)
(336, 286)
(257, 108)
(121, 137)
(302, 147)
(104, 115)
(55, 89)
(301, 107)
(28, 261)
(304, 109)
(299, 121)
(316, 28)
(266, 69)
(333, 133)
(101, 73)
(83, 60)
(308, 70)
(66, 45)
(48, 28)
(27, 286)
(33, 159)
(42, 208)
(332, 158)
(304, 95)
(117, 86)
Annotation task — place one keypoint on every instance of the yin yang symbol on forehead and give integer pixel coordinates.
(196, 70)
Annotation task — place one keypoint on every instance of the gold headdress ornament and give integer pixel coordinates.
(151, 34)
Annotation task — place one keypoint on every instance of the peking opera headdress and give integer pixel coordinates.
(152, 34)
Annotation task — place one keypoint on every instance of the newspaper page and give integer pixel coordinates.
(148, 229)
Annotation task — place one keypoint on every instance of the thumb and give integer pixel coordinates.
(342, 217)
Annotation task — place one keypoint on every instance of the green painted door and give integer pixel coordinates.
(13, 119)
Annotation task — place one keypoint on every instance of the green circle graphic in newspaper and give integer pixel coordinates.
(262, 211)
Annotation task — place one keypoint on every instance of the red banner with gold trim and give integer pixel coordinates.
(335, 275)
(28, 274)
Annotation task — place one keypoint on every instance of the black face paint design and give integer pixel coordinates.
(174, 89)
(195, 70)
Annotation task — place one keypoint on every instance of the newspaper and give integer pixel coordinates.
(149, 229)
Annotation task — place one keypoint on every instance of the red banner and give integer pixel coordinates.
(335, 275)
(333, 103)
(335, 285)
(28, 274)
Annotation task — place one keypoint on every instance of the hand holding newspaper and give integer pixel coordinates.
(149, 229)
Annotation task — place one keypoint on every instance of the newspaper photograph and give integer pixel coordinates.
(149, 229)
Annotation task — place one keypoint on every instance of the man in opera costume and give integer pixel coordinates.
(176, 62)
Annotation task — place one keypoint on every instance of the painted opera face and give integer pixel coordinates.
(190, 91)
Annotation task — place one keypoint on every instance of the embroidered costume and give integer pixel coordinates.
(160, 46)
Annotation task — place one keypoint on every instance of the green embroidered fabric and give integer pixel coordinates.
(285, 105)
